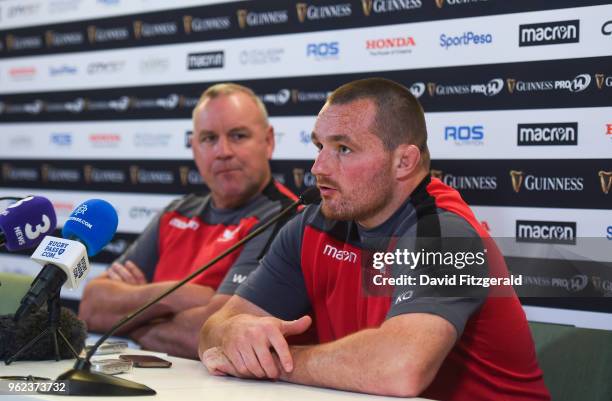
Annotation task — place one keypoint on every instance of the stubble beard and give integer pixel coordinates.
(358, 207)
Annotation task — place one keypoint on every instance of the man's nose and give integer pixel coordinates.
(224, 148)
(321, 166)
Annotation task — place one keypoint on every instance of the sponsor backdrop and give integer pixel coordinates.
(96, 97)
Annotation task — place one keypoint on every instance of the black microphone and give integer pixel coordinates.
(82, 381)
(14, 336)
(46, 284)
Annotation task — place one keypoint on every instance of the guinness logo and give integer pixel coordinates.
(184, 102)
(187, 23)
(6, 171)
(605, 179)
(599, 78)
(137, 29)
(49, 38)
(431, 88)
(298, 177)
(242, 14)
(184, 174)
(367, 7)
(511, 82)
(301, 11)
(87, 170)
(44, 172)
(134, 174)
(91, 33)
(439, 174)
(439, 3)
(10, 42)
(517, 180)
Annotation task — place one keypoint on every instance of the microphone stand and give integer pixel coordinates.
(82, 381)
(53, 329)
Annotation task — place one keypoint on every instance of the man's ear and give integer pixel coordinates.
(406, 161)
(270, 141)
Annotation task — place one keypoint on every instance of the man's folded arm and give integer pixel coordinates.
(178, 335)
(110, 297)
(106, 301)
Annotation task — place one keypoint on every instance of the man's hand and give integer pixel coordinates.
(217, 363)
(128, 273)
(249, 343)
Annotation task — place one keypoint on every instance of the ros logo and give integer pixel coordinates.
(464, 133)
(323, 49)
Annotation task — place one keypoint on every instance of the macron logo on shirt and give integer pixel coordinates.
(184, 225)
(337, 254)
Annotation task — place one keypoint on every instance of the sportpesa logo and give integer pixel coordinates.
(549, 33)
(465, 39)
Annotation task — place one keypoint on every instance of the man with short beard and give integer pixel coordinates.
(232, 144)
(373, 173)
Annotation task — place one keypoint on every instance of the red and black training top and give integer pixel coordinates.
(314, 266)
(191, 231)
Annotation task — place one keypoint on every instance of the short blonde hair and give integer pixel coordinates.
(228, 88)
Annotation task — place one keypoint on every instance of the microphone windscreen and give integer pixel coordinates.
(26, 222)
(94, 223)
(13, 336)
(311, 195)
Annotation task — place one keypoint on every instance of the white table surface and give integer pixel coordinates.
(186, 380)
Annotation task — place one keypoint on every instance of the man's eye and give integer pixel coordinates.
(238, 136)
(318, 146)
(207, 138)
(344, 150)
